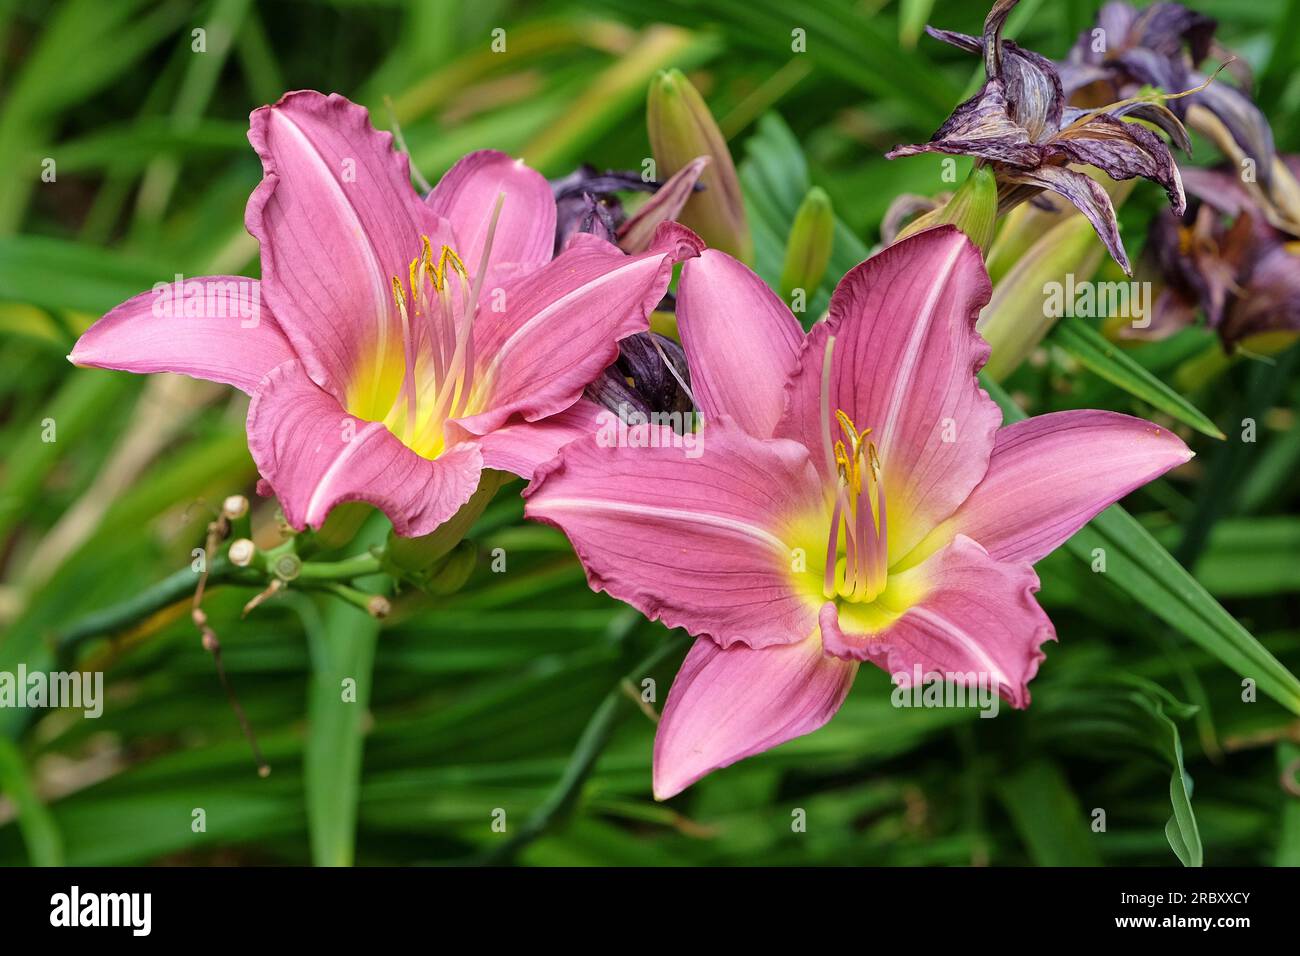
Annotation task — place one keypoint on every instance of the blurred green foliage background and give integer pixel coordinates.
(521, 693)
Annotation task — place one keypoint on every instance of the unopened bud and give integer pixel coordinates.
(378, 606)
(1016, 318)
(681, 128)
(809, 250)
(342, 524)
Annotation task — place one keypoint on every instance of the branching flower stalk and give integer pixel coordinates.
(235, 508)
(273, 571)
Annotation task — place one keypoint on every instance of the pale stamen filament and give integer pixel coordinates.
(826, 405)
(453, 391)
(444, 335)
(672, 370)
(428, 283)
(466, 380)
(408, 348)
(860, 506)
(833, 545)
(479, 277)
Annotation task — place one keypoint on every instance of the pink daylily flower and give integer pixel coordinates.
(855, 500)
(395, 346)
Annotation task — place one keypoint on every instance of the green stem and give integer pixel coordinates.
(181, 584)
(595, 736)
(361, 599)
(169, 590)
(359, 565)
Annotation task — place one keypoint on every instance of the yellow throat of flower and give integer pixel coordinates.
(434, 381)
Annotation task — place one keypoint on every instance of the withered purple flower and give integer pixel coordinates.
(587, 200)
(1161, 47)
(650, 376)
(1020, 125)
(1224, 258)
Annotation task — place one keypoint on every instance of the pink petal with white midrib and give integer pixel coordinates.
(726, 705)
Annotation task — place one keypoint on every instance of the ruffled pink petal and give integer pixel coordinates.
(337, 219)
(521, 447)
(979, 617)
(904, 363)
(692, 537)
(559, 327)
(726, 705)
(215, 328)
(315, 456)
(467, 194)
(1050, 475)
(741, 341)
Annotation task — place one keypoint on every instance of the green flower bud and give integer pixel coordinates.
(808, 251)
(1017, 317)
(682, 128)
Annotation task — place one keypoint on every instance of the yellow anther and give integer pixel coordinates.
(849, 457)
(415, 281)
(842, 459)
(447, 261)
(849, 429)
(424, 265)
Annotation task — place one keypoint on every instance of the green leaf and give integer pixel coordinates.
(851, 42)
(342, 639)
(1247, 557)
(66, 275)
(1134, 713)
(40, 832)
(774, 177)
(1102, 357)
(1146, 572)
(613, 94)
(912, 17)
(75, 409)
(1181, 830)
(85, 46)
(1048, 817)
(1288, 844)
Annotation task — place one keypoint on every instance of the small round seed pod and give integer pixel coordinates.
(241, 553)
(234, 507)
(286, 567)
